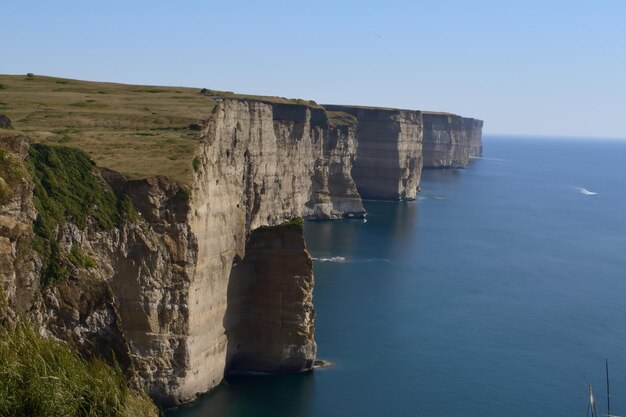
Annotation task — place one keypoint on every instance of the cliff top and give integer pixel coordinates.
(141, 131)
(350, 106)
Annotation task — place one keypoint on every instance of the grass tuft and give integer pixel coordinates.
(295, 223)
(40, 377)
(197, 164)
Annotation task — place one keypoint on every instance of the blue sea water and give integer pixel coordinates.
(499, 292)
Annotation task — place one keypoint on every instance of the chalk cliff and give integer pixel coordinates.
(450, 140)
(186, 283)
(165, 303)
(389, 153)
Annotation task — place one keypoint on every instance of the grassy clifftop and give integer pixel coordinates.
(140, 131)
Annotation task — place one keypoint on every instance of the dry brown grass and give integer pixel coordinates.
(141, 131)
(339, 118)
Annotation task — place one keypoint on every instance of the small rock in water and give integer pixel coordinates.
(320, 363)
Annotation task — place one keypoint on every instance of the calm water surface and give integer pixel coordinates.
(497, 293)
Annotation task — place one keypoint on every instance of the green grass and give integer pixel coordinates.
(121, 127)
(43, 378)
(67, 187)
(80, 259)
(295, 223)
(341, 119)
(12, 172)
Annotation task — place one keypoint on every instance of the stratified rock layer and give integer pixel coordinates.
(389, 154)
(270, 313)
(450, 140)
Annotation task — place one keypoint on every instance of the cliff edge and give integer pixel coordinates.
(162, 225)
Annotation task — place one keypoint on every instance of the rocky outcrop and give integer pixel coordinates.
(270, 316)
(389, 153)
(5, 122)
(450, 140)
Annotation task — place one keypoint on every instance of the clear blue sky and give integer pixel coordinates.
(534, 67)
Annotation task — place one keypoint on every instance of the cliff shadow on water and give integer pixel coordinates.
(255, 395)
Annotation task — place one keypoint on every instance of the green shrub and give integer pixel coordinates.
(196, 164)
(79, 259)
(40, 377)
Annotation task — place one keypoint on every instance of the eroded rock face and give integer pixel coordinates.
(81, 309)
(389, 152)
(450, 140)
(19, 264)
(270, 317)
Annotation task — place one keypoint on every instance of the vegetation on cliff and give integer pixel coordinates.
(341, 119)
(68, 188)
(295, 223)
(40, 377)
(11, 174)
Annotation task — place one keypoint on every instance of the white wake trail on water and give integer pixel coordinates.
(585, 191)
(341, 259)
(331, 259)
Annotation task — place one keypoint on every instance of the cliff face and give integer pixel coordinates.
(450, 140)
(389, 154)
(209, 279)
(474, 128)
(164, 301)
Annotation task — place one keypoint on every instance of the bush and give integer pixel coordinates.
(42, 377)
(196, 164)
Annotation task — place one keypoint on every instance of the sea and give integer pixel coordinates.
(500, 291)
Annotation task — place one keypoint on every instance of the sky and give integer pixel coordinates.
(525, 67)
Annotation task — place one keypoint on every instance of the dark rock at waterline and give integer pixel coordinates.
(320, 363)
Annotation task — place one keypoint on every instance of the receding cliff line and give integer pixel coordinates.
(186, 281)
(389, 154)
(450, 140)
